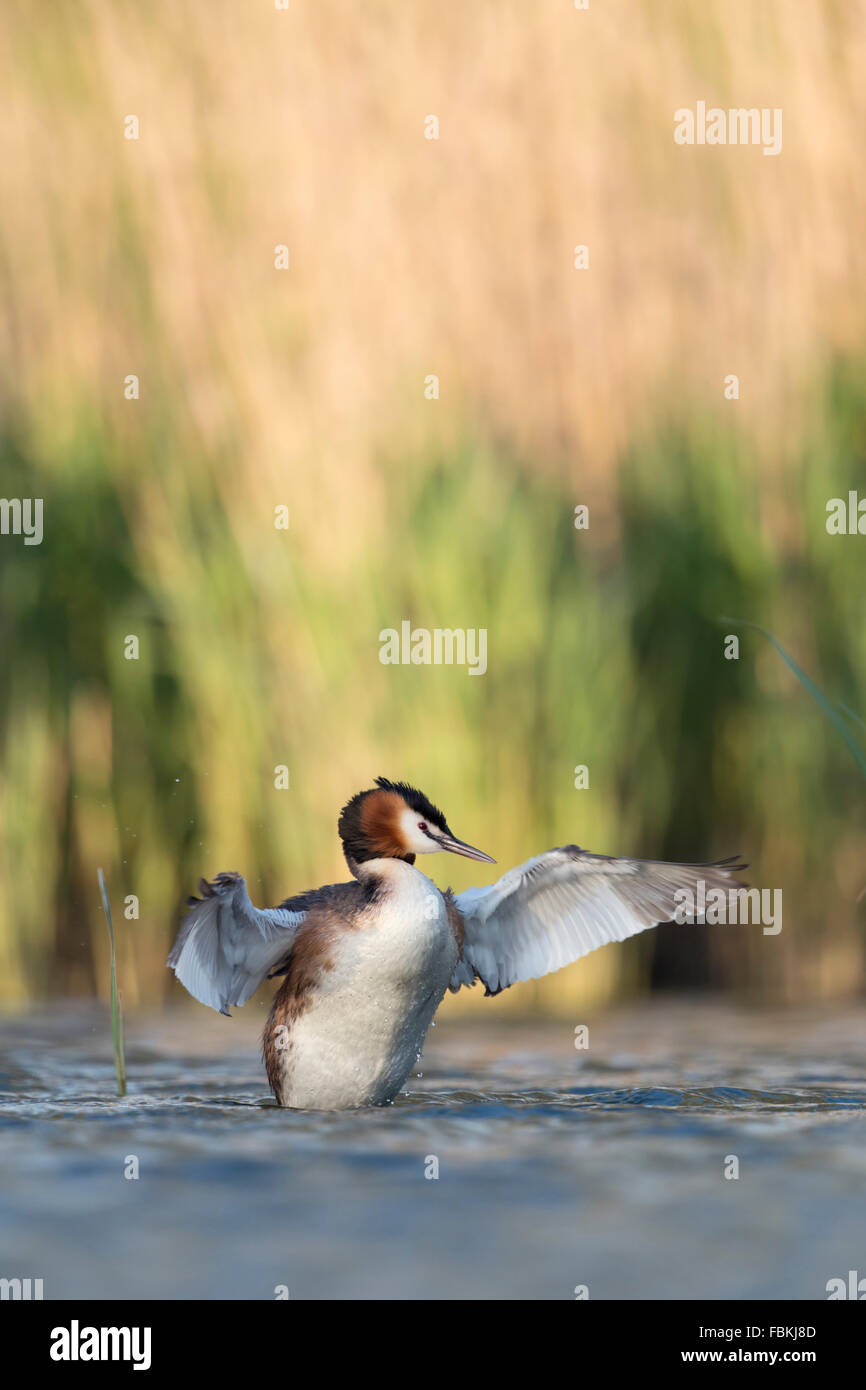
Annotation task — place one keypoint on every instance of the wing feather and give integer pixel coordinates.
(226, 947)
(561, 905)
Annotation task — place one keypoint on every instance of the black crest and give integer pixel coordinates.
(417, 800)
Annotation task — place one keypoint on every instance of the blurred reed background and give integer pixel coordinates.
(305, 387)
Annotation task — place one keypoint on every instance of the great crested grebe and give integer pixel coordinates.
(367, 963)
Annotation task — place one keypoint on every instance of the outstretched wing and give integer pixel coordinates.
(563, 904)
(226, 947)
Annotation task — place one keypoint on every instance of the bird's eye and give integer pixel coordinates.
(422, 825)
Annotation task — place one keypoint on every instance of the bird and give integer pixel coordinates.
(365, 964)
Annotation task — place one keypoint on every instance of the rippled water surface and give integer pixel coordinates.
(557, 1167)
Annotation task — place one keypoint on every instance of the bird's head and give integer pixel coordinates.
(395, 821)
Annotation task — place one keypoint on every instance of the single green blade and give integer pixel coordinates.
(116, 1010)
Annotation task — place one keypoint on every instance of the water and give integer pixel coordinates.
(557, 1167)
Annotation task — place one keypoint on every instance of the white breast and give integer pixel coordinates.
(360, 1036)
